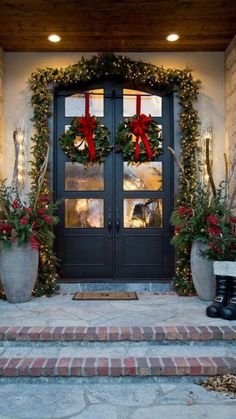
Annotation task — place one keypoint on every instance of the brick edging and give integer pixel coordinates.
(116, 367)
(155, 333)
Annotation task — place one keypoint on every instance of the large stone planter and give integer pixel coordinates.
(19, 269)
(202, 272)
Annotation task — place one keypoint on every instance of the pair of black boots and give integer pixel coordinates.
(224, 305)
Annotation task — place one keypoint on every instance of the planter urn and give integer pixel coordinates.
(18, 269)
(202, 272)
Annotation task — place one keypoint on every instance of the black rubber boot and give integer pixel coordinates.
(229, 312)
(221, 299)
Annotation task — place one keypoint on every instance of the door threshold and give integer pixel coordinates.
(116, 286)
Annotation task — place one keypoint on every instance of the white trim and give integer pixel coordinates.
(225, 268)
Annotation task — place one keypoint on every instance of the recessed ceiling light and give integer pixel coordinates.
(172, 37)
(54, 38)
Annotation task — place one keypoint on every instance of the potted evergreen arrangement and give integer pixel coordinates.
(207, 219)
(206, 226)
(22, 231)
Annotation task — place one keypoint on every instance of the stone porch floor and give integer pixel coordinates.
(152, 309)
(45, 327)
(126, 400)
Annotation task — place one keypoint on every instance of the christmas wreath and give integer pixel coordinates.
(86, 141)
(139, 139)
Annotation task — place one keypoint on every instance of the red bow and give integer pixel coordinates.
(88, 125)
(139, 127)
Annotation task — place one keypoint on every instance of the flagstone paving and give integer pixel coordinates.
(124, 400)
(150, 309)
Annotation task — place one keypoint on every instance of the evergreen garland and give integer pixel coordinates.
(141, 75)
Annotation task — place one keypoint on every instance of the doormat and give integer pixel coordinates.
(105, 295)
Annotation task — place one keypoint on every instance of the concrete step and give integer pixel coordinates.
(116, 349)
(117, 286)
(132, 333)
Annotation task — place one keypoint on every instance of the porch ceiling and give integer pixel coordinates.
(117, 25)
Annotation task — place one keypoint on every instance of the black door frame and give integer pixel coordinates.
(173, 171)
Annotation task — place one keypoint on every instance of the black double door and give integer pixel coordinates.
(114, 218)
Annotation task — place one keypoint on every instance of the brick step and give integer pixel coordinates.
(118, 358)
(116, 367)
(158, 333)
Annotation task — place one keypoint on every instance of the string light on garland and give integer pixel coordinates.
(141, 75)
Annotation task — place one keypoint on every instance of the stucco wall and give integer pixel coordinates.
(1, 105)
(207, 66)
(230, 96)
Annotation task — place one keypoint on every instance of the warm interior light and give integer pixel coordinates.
(19, 139)
(172, 37)
(54, 38)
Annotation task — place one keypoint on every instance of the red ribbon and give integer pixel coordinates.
(87, 127)
(139, 127)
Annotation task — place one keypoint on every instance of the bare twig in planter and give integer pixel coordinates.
(4, 209)
(209, 168)
(180, 166)
(232, 203)
(232, 171)
(231, 183)
(181, 169)
(226, 169)
(233, 194)
(43, 171)
(227, 181)
(229, 196)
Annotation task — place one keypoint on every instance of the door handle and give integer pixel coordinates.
(117, 227)
(109, 223)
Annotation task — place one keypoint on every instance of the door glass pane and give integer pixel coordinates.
(145, 176)
(81, 178)
(150, 104)
(84, 213)
(142, 213)
(75, 104)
